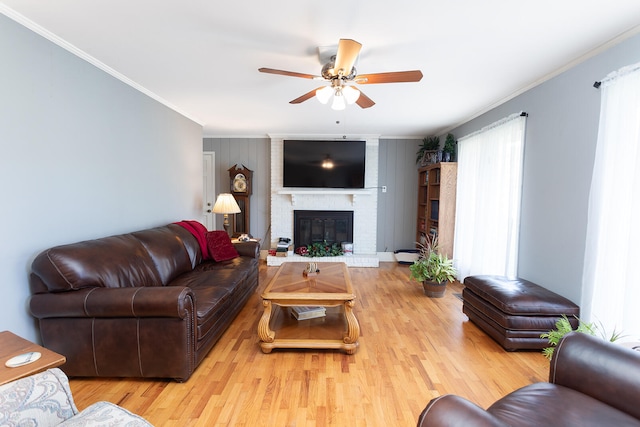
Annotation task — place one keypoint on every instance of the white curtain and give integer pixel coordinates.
(488, 199)
(611, 286)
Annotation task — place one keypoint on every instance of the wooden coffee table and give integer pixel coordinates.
(330, 288)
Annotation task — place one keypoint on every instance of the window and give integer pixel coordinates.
(611, 291)
(488, 199)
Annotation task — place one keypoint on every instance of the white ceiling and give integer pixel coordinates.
(202, 57)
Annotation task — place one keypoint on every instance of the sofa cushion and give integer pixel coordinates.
(220, 246)
(212, 287)
(216, 286)
(167, 251)
(113, 262)
(190, 243)
(198, 231)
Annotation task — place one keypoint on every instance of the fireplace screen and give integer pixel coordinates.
(320, 226)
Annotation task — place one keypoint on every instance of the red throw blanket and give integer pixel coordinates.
(199, 231)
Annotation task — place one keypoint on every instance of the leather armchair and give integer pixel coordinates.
(592, 382)
(44, 399)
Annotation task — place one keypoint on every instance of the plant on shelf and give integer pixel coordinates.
(432, 269)
(426, 151)
(449, 148)
(563, 327)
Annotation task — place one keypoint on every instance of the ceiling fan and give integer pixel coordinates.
(340, 72)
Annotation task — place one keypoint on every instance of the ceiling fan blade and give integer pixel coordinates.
(306, 96)
(348, 51)
(364, 101)
(287, 73)
(393, 77)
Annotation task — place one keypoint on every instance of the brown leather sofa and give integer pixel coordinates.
(143, 304)
(592, 382)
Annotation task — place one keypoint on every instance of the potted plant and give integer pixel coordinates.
(432, 269)
(427, 152)
(563, 327)
(449, 148)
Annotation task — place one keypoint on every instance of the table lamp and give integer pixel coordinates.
(226, 204)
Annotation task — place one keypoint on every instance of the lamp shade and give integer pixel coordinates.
(324, 94)
(339, 102)
(350, 94)
(226, 204)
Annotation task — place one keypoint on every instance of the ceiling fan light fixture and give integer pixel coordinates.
(324, 94)
(339, 102)
(350, 94)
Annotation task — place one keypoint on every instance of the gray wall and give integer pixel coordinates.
(559, 154)
(82, 155)
(396, 208)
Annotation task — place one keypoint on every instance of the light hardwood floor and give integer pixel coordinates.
(412, 349)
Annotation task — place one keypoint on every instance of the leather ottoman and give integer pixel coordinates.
(514, 312)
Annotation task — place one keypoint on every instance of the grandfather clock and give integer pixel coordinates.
(240, 181)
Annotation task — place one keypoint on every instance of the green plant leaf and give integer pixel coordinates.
(563, 327)
(323, 249)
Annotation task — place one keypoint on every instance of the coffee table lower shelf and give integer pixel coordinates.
(337, 330)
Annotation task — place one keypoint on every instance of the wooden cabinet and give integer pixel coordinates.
(437, 204)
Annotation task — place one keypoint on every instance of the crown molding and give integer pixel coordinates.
(36, 28)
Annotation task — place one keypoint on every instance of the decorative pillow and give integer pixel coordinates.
(220, 246)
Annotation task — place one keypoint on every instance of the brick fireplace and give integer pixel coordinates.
(362, 202)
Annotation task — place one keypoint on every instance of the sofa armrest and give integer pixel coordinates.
(156, 301)
(106, 413)
(42, 399)
(250, 249)
(452, 411)
(605, 371)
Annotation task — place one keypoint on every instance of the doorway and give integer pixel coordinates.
(208, 188)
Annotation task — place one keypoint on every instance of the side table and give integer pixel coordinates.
(12, 345)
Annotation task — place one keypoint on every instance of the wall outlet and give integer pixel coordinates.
(384, 188)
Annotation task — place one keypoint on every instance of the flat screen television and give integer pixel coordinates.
(305, 164)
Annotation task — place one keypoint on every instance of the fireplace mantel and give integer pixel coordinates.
(326, 191)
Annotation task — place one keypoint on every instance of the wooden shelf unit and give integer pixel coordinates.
(437, 204)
